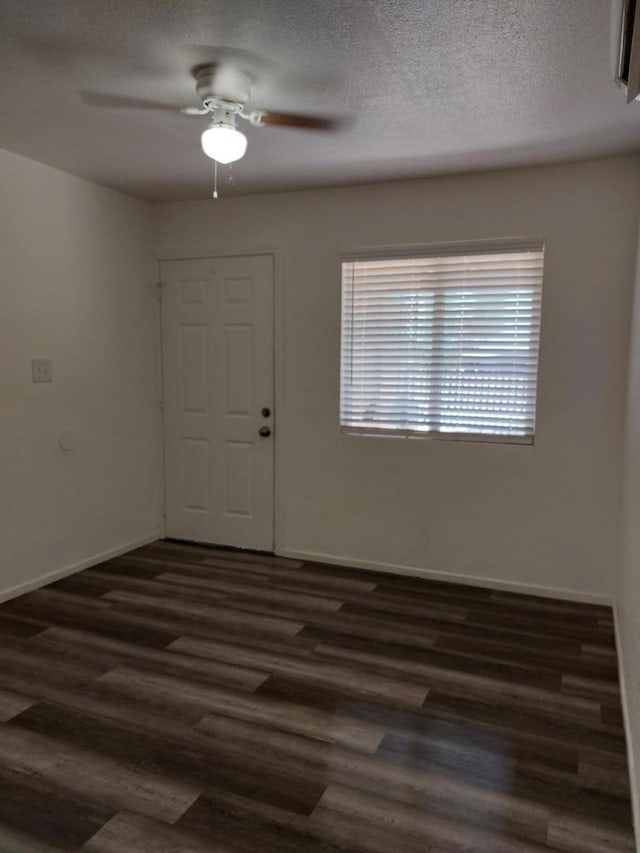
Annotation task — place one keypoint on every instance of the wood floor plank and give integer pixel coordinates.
(579, 835)
(290, 579)
(277, 714)
(37, 667)
(113, 783)
(299, 719)
(108, 653)
(431, 661)
(13, 703)
(549, 704)
(313, 671)
(340, 582)
(19, 626)
(457, 628)
(181, 757)
(557, 620)
(128, 832)
(521, 719)
(318, 624)
(604, 772)
(105, 622)
(586, 633)
(427, 787)
(377, 812)
(14, 841)
(167, 623)
(225, 818)
(37, 816)
(104, 582)
(196, 553)
(526, 780)
(592, 687)
(221, 615)
(428, 724)
(273, 595)
(185, 698)
(578, 663)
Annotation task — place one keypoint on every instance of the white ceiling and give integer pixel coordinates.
(433, 85)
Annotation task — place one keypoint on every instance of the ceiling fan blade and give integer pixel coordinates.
(98, 99)
(299, 121)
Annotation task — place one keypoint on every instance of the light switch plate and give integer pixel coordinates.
(41, 370)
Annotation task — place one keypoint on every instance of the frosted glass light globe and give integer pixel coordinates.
(224, 143)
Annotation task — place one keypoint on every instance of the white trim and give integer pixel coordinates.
(427, 250)
(450, 577)
(65, 571)
(162, 482)
(436, 435)
(628, 731)
(279, 495)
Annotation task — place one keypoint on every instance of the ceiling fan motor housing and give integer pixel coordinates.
(216, 83)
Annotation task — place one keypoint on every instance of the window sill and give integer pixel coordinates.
(481, 438)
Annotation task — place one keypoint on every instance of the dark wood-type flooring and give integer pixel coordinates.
(183, 700)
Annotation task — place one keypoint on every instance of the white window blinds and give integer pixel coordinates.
(442, 344)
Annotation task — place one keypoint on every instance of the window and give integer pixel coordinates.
(445, 344)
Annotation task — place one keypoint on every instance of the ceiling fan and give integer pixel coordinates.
(224, 90)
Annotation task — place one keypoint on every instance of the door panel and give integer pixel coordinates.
(217, 341)
(194, 368)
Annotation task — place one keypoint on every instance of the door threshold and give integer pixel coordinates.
(218, 547)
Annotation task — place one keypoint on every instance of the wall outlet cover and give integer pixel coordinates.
(41, 370)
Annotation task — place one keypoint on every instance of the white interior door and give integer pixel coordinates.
(217, 345)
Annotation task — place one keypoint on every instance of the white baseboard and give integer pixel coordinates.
(58, 574)
(431, 574)
(628, 731)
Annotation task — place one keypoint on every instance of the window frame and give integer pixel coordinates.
(421, 250)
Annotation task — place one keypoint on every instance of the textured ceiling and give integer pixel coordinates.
(433, 86)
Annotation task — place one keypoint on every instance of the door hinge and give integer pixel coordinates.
(159, 286)
(162, 405)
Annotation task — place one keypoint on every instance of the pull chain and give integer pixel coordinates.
(215, 179)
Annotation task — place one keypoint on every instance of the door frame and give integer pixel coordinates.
(275, 252)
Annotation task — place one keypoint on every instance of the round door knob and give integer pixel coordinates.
(265, 432)
(266, 412)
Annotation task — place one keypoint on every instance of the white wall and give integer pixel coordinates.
(546, 515)
(76, 286)
(628, 593)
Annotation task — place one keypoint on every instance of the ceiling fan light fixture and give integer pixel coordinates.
(222, 141)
